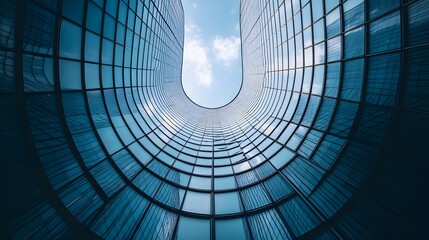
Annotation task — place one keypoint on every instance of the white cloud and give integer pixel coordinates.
(197, 67)
(192, 30)
(227, 49)
(237, 27)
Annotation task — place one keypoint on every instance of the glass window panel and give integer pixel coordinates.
(353, 13)
(111, 7)
(297, 22)
(328, 151)
(295, 6)
(308, 75)
(246, 178)
(107, 76)
(165, 158)
(330, 4)
(383, 78)
(92, 47)
(231, 229)
(38, 28)
(149, 146)
(319, 53)
(110, 139)
(73, 9)
(282, 14)
(265, 170)
(385, 33)
(332, 79)
(120, 33)
(107, 177)
(317, 7)
(204, 161)
(300, 108)
(344, 118)
(299, 216)
(201, 183)
(131, 17)
(118, 77)
(281, 158)
(298, 80)
(119, 55)
(352, 80)
(269, 152)
(378, 7)
(278, 187)
(170, 195)
(141, 154)
(241, 167)
(292, 54)
(297, 137)
(304, 174)
(287, 133)
(354, 43)
(325, 113)
(290, 29)
(184, 178)
(333, 23)
(319, 75)
(319, 31)
(92, 79)
(308, 56)
(38, 73)
(254, 197)
(107, 53)
(311, 110)
(306, 16)
(418, 21)
(125, 207)
(70, 40)
(222, 183)
(93, 20)
(203, 170)
(193, 229)
(223, 170)
(299, 51)
(417, 87)
(70, 77)
(308, 37)
(288, 8)
(335, 187)
(122, 13)
(197, 202)
(268, 225)
(183, 166)
(334, 49)
(221, 161)
(227, 203)
(109, 27)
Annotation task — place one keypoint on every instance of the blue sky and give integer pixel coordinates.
(212, 57)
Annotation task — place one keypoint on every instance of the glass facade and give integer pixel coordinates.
(326, 139)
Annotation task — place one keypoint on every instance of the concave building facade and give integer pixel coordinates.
(327, 138)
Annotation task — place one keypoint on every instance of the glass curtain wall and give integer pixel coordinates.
(326, 139)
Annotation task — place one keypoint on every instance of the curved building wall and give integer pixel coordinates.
(326, 139)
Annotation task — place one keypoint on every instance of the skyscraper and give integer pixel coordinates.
(326, 140)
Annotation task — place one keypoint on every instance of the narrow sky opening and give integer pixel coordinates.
(212, 67)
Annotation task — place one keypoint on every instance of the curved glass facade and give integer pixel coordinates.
(326, 139)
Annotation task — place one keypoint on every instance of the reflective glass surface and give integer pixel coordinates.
(326, 139)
